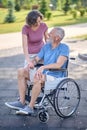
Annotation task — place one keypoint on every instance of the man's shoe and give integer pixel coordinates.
(26, 111)
(15, 105)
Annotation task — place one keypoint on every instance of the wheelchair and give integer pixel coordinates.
(63, 98)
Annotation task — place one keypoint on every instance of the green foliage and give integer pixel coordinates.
(66, 7)
(74, 13)
(10, 4)
(27, 4)
(48, 15)
(58, 19)
(59, 5)
(82, 12)
(10, 17)
(43, 7)
(79, 4)
(4, 3)
(17, 7)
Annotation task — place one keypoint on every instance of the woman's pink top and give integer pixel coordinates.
(35, 38)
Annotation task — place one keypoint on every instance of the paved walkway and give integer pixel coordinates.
(11, 58)
(14, 39)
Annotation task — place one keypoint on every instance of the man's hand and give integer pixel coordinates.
(39, 74)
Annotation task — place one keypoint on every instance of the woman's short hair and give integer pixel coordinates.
(32, 16)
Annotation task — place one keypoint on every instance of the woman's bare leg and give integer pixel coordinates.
(23, 75)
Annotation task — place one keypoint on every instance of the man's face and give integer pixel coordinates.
(53, 36)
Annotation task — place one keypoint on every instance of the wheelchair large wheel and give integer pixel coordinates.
(67, 98)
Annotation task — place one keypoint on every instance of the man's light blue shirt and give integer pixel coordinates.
(50, 56)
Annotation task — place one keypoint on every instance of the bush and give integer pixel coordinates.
(26, 7)
(74, 13)
(82, 12)
(17, 7)
(10, 17)
(86, 9)
(43, 7)
(66, 7)
(48, 15)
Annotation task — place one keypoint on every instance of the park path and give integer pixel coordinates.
(11, 40)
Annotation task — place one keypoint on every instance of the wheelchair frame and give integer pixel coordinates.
(64, 99)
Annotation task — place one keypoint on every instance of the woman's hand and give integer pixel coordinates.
(30, 65)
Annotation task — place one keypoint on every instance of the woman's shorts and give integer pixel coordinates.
(31, 56)
(32, 71)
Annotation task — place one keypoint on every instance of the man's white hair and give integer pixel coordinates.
(60, 32)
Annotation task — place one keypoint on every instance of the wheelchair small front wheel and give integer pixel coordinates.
(43, 116)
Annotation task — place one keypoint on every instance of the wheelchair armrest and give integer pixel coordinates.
(39, 65)
(53, 69)
(61, 69)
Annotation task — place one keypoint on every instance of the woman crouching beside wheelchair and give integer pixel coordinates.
(54, 55)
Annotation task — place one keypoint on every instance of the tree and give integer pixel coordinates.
(59, 5)
(0, 1)
(66, 7)
(43, 8)
(17, 5)
(79, 4)
(10, 17)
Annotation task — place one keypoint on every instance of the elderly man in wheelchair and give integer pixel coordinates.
(64, 94)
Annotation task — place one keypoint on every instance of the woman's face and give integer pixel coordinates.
(38, 22)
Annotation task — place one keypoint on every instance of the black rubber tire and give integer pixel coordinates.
(43, 116)
(58, 97)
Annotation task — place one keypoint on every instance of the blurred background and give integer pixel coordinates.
(56, 13)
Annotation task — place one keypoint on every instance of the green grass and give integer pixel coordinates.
(57, 19)
(84, 37)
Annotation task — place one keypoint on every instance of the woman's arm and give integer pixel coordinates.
(36, 60)
(46, 35)
(25, 50)
(25, 47)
